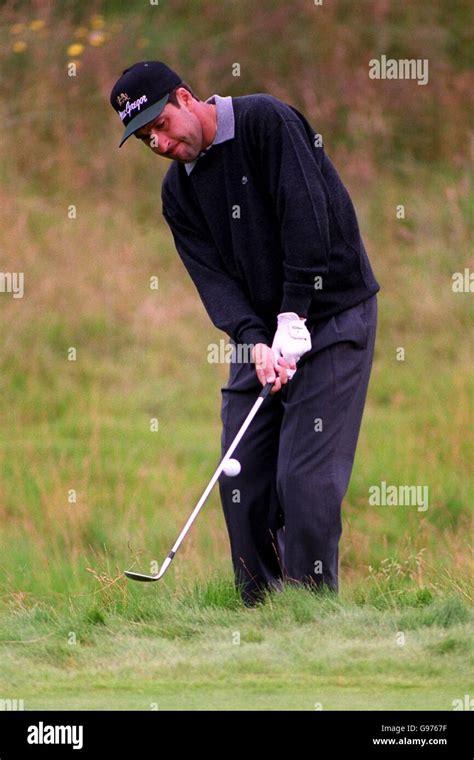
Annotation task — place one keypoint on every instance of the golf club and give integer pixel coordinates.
(148, 578)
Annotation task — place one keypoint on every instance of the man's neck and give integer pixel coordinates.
(209, 126)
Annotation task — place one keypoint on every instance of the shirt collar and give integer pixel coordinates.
(225, 125)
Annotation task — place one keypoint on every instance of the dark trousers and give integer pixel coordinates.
(283, 511)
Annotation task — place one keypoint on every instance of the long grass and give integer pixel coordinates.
(88, 487)
(84, 426)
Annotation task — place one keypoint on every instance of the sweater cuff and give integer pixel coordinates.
(254, 335)
(298, 302)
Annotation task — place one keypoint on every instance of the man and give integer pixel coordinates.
(269, 235)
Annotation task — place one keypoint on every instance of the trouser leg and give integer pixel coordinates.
(322, 411)
(250, 502)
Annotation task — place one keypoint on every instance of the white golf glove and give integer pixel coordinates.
(292, 339)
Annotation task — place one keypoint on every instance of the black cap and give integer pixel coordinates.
(141, 93)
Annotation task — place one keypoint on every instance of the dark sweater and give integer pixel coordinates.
(259, 218)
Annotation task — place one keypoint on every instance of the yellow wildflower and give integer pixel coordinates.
(76, 49)
(97, 21)
(19, 47)
(36, 25)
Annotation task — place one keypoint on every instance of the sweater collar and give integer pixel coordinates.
(225, 125)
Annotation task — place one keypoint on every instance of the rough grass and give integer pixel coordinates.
(88, 489)
(200, 649)
(85, 426)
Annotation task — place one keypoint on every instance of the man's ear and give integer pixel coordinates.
(184, 96)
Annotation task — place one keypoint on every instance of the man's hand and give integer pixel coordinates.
(268, 368)
(292, 339)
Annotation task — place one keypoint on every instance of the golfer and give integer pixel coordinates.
(268, 234)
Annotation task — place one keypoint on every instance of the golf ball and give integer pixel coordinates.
(232, 468)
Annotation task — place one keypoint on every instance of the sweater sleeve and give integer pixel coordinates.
(222, 295)
(299, 195)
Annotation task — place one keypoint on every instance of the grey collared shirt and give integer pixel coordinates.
(225, 125)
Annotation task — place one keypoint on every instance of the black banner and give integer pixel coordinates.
(124, 734)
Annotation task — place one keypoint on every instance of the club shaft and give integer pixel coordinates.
(170, 556)
(225, 459)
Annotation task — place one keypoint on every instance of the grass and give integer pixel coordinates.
(88, 487)
(199, 649)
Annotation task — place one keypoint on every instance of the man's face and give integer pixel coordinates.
(176, 133)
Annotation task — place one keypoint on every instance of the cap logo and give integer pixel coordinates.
(122, 98)
(136, 104)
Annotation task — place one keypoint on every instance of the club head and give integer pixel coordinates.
(141, 577)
